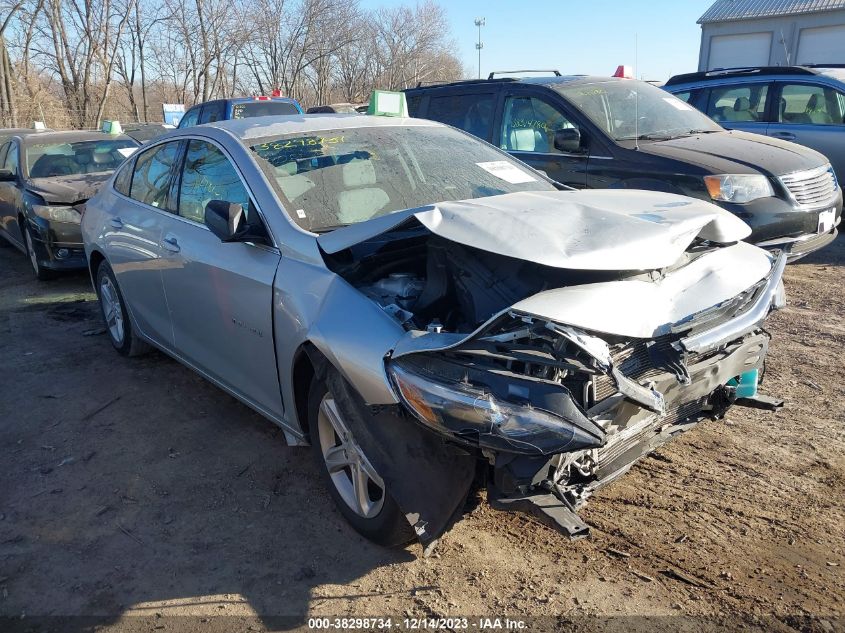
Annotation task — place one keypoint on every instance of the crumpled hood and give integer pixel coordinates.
(578, 230)
(737, 152)
(68, 189)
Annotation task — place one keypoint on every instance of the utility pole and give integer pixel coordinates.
(479, 22)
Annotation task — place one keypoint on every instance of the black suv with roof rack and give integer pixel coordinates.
(604, 132)
(803, 104)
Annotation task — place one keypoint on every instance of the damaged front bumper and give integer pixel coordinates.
(557, 412)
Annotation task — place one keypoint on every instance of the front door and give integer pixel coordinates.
(740, 106)
(528, 131)
(814, 116)
(220, 294)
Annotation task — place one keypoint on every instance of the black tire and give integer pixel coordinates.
(128, 344)
(42, 273)
(388, 528)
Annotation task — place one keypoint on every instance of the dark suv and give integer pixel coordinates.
(603, 132)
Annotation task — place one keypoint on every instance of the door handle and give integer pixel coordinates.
(787, 136)
(170, 243)
(116, 223)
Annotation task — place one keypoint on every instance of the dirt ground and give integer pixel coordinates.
(132, 487)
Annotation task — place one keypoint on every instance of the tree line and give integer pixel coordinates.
(74, 63)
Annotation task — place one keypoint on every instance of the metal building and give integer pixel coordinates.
(772, 33)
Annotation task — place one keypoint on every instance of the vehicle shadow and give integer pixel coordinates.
(133, 487)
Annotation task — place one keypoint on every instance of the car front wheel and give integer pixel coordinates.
(116, 318)
(356, 487)
(42, 273)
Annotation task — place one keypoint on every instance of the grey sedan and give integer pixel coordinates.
(430, 314)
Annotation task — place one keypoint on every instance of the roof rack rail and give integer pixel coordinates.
(824, 65)
(461, 82)
(741, 72)
(514, 72)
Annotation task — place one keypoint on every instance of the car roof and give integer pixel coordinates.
(257, 100)
(261, 127)
(731, 75)
(547, 81)
(72, 136)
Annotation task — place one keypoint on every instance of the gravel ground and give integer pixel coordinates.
(134, 492)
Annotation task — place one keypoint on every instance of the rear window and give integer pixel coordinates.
(262, 108)
(472, 113)
(50, 160)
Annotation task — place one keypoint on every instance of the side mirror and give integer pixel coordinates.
(568, 140)
(7, 175)
(228, 222)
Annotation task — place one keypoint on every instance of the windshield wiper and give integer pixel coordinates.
(328, 229)
(691, 132)
(652, 136)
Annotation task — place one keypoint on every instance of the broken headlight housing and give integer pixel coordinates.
(474, 415)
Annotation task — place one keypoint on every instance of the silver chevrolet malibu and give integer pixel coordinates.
(433, 316)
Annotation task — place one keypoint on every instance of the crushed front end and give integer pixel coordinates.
(557, 411)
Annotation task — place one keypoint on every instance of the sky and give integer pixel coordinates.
(577, 37)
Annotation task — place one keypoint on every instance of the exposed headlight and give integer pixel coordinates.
(57, 214)
(476, 416)
(738, 187)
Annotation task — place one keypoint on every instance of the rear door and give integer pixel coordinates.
(220, 294)
(527, 131)
(740, 106)
(813, 115)
(133, 237)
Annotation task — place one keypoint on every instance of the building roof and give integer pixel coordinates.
(731, 10)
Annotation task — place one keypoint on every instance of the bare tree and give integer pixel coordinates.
(126, 56)
(8, 111)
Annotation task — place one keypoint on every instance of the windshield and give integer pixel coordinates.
(262, 108)
(629, 109)
(48, 160)
(339, 177)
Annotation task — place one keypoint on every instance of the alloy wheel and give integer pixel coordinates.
(112, 310)
(357, 482)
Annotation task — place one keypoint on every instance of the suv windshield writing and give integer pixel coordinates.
(634, 109)
(339, 177)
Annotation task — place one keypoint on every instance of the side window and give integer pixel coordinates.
(190, 117)
(4, 154)
(414, 104)
(811, 105)
(152, 173)
(213, 111)
(11, 161)
(208, 175)
(529, 125)
(472, 113)
(123, 179)
(745, 102)
(684, 96)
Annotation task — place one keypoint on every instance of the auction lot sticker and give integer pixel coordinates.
(506, 171)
